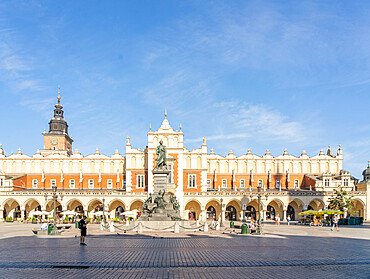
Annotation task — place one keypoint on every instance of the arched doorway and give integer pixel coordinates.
(290, 212)
(213, 210)
(358, 208)
(270, 213)
(230, 214)
(118, 212)
(250, 213)
(116, 208)
(316, 205)
(137, 206)
(193, 210)
(297, 206)
(211, 213)
(11, 209)
(233, 210)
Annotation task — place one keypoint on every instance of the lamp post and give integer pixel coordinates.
(221, 223)
(259, 230)
(54, 196)
(103, 211)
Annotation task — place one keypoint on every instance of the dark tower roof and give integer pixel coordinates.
(366, 173)
(58, 125)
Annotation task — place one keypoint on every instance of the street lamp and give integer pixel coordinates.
(103, 211)
(259, 230)
(54, 196)
(221, 224)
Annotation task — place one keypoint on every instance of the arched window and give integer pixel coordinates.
(211, 213)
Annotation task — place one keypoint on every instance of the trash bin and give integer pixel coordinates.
(351, 221)
(232, 224)
(244, 228)
(344, 221)
(50, 228)
(358, 220)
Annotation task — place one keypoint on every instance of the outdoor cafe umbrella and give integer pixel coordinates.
(68, 212)
(330, 212)
(308, 212)
(36, 213)
(98, 213)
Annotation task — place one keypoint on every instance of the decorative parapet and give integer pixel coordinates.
(69, 193)
(270, 193)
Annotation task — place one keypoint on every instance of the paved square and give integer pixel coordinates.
(283, 252)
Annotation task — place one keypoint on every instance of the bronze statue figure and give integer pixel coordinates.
(161, 155)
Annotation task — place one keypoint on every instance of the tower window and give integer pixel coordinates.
(242, 183)
(55, 126)
(72, 183)
(109, 183)
(296, 184)
(278, 184)
(91, 183)
(345, 182)
(208, 183)
(224, 183)
(170, 174)
(34, 183)
(192, 180)
(140, 181)
(53, 183)
(327, 182)
(260, 183)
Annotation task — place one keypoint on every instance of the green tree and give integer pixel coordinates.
(341, 200)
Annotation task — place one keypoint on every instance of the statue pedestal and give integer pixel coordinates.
(160, 180)
(161, 205)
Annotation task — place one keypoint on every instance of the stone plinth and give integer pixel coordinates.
(160, 179)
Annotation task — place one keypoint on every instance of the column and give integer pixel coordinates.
(284, 215)
(263, 215)
(204, 216)
(22, 214)
(1, 213)
(223, 216)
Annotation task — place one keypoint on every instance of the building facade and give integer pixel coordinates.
(207, 185)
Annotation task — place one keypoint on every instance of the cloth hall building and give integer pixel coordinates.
(208, 186)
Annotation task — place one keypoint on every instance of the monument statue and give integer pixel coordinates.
(161, 155)
(161, 205)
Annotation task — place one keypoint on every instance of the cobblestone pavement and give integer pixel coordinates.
(284, 252)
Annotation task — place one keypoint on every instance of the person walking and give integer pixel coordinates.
(288, 219)
(83, 227)
(335, 223)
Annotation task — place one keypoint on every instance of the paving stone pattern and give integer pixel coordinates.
(199, 256)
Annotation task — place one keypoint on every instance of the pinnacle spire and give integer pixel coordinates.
(58, 95)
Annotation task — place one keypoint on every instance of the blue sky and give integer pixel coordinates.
(258, 74)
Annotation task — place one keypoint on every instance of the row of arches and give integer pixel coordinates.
(234, 210)
(12, 208)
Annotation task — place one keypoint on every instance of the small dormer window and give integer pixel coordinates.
(345, 182)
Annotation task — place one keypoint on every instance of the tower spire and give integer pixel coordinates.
(58, 94)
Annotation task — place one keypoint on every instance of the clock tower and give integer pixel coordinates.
(57, 140)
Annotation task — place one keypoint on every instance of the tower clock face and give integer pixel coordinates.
(54, 141)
